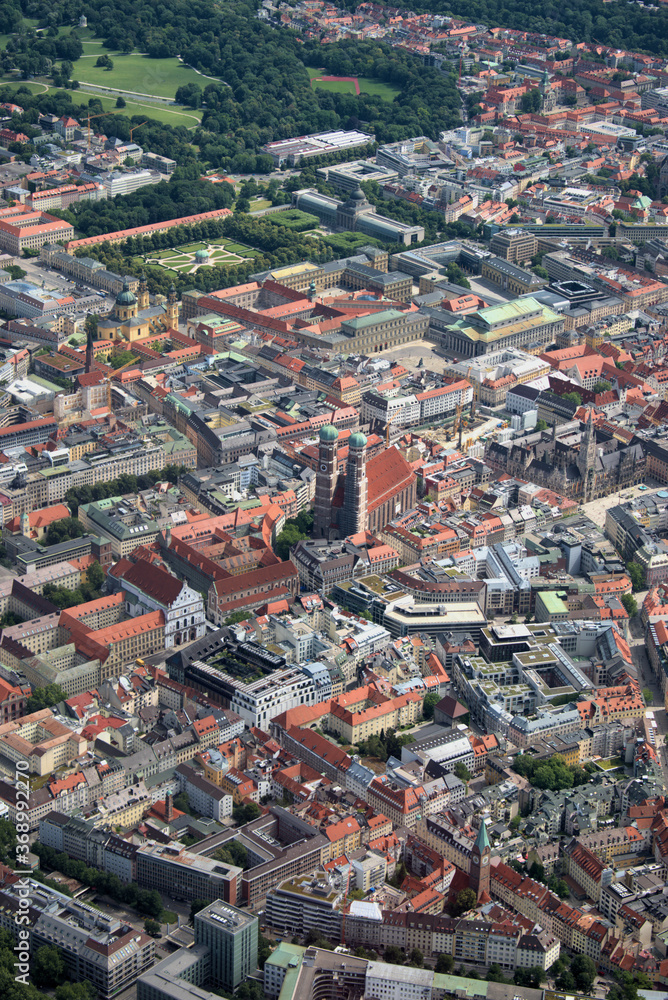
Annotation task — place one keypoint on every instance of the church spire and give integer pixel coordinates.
(479, 875)
(587, 456)
(90, 352)
(482, 840)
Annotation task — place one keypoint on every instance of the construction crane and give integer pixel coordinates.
(458, 421)
(108, 378)
(134, 129)
(103, 114)
(470, 367)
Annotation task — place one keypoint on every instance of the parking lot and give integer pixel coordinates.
(54, 281)
(410, 356)
(492, 294)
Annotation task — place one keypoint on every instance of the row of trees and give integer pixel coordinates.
(147, 901)
(553, 882)
(184, 194)
(47, 970)
(125, 483)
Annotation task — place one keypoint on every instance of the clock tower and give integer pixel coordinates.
(480, 858)
(326, 477)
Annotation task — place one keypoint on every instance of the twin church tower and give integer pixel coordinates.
(349, 517)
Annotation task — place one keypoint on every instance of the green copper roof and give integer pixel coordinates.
(328, 433)
(357, 440)
(482, 840)
(126, 297)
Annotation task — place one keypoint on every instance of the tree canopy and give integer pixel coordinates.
(45, 697)
(552, 773)
(429, 703)
(636, 575)
(257, 85)
(64, 530)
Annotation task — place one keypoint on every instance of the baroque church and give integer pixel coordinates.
(133, 317)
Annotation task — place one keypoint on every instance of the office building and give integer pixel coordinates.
(293, 151)
(21, 228)
(223, 956)
(185, 875)
(231, 937)
(303, 904)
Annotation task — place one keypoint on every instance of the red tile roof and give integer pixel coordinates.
(153, 581)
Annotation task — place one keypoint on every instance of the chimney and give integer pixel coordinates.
(169, 808)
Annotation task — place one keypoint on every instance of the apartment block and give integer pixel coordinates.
(95, 947)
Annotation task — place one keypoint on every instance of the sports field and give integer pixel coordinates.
(351, 84)
(183, 258)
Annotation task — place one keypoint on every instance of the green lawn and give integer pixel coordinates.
(385, 90)
(182, 258)
(137, 73)
(258, 204)
(335, 86)
(610, 763)
(85, 35)
(29, 22)
(34, 88)
(158, 112)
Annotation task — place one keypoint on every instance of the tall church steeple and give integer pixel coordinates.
(480, 857)
(172, 311)
(587, 456)
(355, 497)
(90, 352)
(326, 478)
(142, 296)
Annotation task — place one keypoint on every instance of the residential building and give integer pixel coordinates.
(95, 947)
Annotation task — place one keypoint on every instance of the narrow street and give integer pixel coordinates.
(648, 680)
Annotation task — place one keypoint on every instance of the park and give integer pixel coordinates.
(187, 259)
